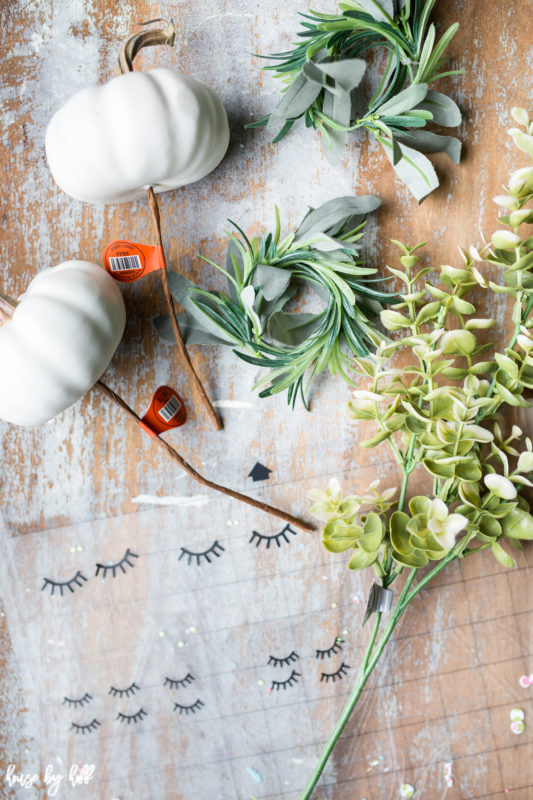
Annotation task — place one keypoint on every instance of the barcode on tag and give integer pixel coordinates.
(123, 263)
(170, 409)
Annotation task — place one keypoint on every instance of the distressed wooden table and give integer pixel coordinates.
(451, 677)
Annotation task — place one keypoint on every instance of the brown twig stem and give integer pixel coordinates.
(8, 305)
(150, 38)
(213, 416)
(276, 512)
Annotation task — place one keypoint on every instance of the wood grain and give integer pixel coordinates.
(89, 463)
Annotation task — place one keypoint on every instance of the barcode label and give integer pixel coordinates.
(123, 263)
(170, 409)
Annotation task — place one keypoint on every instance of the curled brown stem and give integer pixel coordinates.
(276, 512)
(128, 51)
(9, 304)
(197, 383)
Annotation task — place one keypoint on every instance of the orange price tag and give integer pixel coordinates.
(167, 410)
(128, 261)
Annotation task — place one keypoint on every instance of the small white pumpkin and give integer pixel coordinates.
(160, 128)
(59, 341)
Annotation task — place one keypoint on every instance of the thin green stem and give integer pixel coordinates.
(371, 643)
(370, 660)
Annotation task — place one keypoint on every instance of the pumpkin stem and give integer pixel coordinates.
(148, 38)
(182, 349)
(7, 306)
(284, 515)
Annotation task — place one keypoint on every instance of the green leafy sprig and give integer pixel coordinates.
(265, 273)
(443, 413)
(323, 70)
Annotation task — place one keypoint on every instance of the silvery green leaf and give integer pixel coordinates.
(191, 330)
(445, 111)
(414, 169)
(381, 10)
(347, 73)
(338, 107)
(314, 73)
(427, 142)
(293, 329)
(248, 299)
(299, 96)
(396, 152)
(233, 252)
(332, 213)
(271, 281)
(182, 290)
(271, 306)
(404, 101)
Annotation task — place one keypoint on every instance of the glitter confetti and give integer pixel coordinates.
(526, 681)
(517, 721)
(161, 633)
(406, 790)
(181, 644)
(448, 778)
(253, 773)
(334, 605)
(260, 683)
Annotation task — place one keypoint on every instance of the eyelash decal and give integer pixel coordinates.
(92, 726)
(213, 550)
(77, 579)
(124, 692)
(277, 537)
(119, 565)
(78, 703)
(341, 672)
(189, 709)
(132, 717)
(277, 685)
(283, 662)
(336, 647)
(172, 684)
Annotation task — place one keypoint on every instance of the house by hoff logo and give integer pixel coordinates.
(78, 774)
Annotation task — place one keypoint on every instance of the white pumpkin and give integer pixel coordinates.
(160, 128)
(59, 341)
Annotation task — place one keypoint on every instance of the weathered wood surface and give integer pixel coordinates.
(90, 463)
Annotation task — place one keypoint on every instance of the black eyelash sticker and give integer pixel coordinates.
(189, 709)
(276, 537)
(77, 580)
(124, 692)
(212, 551)
(132, 717)
(283, 662)
(78, 703)
(105, 568)
(291, 680)
(333, 676)
(336, 647)
(172, 684)
(92, 726)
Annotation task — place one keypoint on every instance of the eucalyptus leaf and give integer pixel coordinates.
(414, 169)
(445, 110)
(333, 212)
(405, 100)
(271, 281)
(427, 142)
(293, 329)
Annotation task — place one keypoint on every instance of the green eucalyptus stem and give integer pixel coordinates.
(370, 660)
(372, 641)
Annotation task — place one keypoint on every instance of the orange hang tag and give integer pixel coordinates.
(167, 410)
(129, 261)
